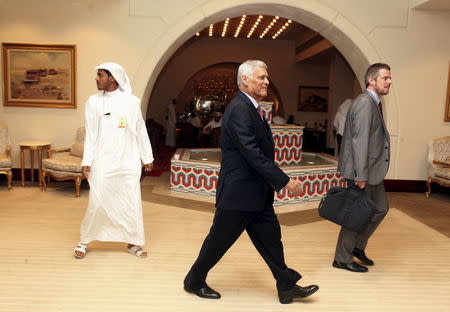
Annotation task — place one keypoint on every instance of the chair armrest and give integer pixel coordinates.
(57, 150)
(442, 162)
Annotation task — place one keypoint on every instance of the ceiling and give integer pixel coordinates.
(256, 27)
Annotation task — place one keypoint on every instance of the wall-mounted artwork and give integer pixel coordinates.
(38, 75)
(312, 99)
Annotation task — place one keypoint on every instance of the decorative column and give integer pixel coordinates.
(288, 141)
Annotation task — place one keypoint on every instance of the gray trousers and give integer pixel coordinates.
(349, 240)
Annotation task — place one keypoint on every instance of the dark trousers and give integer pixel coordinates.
(264, 231)
(349, 240)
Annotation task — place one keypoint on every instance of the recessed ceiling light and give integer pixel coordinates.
(241, 23)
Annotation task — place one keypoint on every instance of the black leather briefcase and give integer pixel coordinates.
(349, 207)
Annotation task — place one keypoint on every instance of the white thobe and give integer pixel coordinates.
(116, 142)
(171, 131)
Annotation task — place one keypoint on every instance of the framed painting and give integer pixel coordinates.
(312, 99)
(39, 75)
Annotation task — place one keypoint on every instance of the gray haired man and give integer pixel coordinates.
(245, 191)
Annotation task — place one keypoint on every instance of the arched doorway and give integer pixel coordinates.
(352, 43)
(355, 47)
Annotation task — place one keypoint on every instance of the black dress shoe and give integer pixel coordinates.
(361, 256)
(353, 267)
(287, 296)
(204, 292)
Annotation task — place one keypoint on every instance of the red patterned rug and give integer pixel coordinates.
(163, 155)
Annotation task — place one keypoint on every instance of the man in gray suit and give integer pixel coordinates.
(364, 161)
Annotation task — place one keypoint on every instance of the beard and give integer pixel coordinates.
(382, 91)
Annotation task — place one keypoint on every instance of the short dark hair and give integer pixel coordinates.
(372, 71)
(108, 72)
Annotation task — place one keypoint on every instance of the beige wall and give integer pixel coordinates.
(143, 34)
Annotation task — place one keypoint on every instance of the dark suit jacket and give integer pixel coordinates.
(248, 175)
(365, 148)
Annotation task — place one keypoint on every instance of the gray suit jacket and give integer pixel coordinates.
(365, 146)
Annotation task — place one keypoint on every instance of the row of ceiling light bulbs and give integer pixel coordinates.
(255, 25)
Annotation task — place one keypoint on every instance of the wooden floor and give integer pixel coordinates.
(39, 273)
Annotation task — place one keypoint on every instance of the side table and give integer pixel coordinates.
(38, 146)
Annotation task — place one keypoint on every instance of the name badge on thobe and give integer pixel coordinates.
(122, 122)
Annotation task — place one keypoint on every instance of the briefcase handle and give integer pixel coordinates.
(354, 187)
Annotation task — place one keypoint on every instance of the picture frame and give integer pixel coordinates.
(312, 99)
(447, 102)
(39, 75)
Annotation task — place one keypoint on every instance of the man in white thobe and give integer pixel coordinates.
(115, 147)
(171, 126)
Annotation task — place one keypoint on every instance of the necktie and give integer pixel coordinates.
(380, 106)
(260, 111)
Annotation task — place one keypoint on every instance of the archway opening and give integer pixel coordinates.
(203, 72)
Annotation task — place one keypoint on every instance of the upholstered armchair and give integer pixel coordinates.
(65, 164)
(5, 154)
(439, 163)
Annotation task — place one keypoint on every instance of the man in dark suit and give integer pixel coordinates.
(364, 161)
(245, 191)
